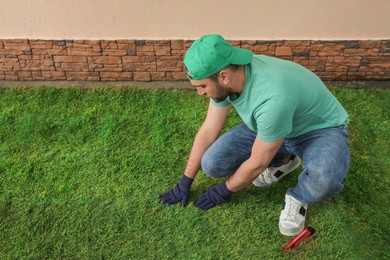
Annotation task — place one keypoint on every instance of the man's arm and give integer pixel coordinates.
(207, 134)
(261, 156)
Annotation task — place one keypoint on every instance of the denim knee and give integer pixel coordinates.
(324, 191)
(318, 185)
(211, 168)
(326, 158)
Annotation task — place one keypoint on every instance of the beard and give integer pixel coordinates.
(222, 93)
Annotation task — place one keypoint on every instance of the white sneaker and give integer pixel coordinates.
(272, 175)
(292, 217)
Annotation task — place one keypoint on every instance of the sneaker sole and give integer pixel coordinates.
(291, 233)
(295, 166)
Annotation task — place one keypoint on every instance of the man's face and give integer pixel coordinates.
(212, 89)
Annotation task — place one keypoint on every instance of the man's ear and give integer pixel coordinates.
(224, 77)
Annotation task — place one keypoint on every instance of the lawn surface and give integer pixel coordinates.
(81, 171)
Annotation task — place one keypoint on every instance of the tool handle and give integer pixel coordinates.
(306, 233)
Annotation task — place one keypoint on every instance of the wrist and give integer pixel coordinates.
(186, 181)
(223, 190)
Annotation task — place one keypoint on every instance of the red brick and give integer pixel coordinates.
(259, 49)
(10, 52)
(364, 69)
(158, 76)
(109, 44)
(247, 43)
(379, 65)
(371, 52)
(355, 52)
(369, 44)
(73, 66)
(158, 42)
(19, 47)
(137, 59)
(6, 60)
(304, 61)
(70, 59)
(54, 75)
(79, 45)
(280, 44)
(1, 45)
(38, 57)
(177, 45)
(132, 59)
(116, 76)
(57, 51)
(187, 43)
(108, 60)
(125, 42)
(381, 74)
(139, 63)
(383, 62)
(179, 53)
(145, 50)
(37, 65)
(112, 52)
(283, 51)
(339, 76)
(356, 75)
(82, 52)
(10, 77)
(96, 48)
(142, 76)
(42, 52)
(169, 64)
(178, 76)
(25, 75)
(71, 75)
(336, 68)
(40, 44)
(297, 43)
(126, 46)
(37, 75)
(162, 50)
(86, 42)
(331, 50)
(106, 67)
(316, 46)
(347, 61)
(10, 66)
(317, 61)
(16, 41)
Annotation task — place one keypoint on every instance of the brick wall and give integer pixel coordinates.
(162, 60)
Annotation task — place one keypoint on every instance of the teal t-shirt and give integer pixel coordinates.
(282, 99)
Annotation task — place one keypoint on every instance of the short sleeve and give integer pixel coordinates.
(224, 103)
(274, 119)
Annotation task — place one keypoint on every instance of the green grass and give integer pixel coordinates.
(81, 171)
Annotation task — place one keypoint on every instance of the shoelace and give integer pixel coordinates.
(290, 205)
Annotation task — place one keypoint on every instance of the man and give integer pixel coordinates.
(289, 116)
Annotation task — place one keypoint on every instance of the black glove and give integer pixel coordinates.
(214, 196)
(179, 194)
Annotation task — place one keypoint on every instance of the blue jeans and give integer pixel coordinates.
(325, 154)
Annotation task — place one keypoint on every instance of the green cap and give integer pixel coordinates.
(212, 53)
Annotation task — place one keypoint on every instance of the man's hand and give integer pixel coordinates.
(179, 194)
(213, 197)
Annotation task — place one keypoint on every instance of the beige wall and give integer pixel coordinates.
(189, 19)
